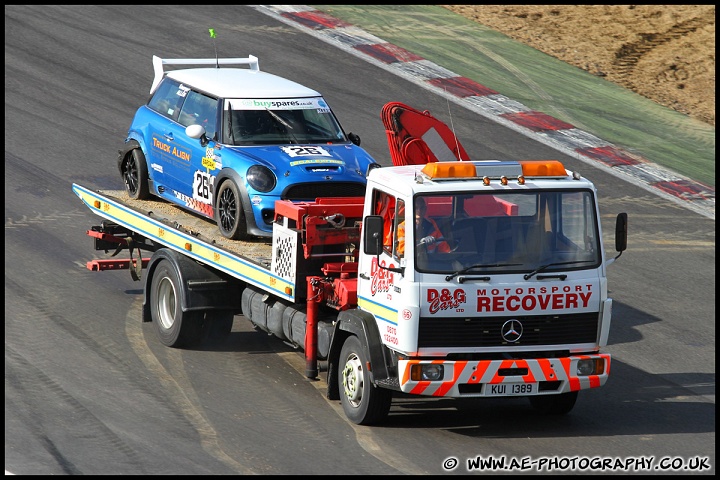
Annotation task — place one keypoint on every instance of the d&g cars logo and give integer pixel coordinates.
(444, 299)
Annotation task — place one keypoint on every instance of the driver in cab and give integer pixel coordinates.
(426, 230)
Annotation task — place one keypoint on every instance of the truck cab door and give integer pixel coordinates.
(381, 268)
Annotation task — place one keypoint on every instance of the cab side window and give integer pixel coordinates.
(384, 205)
(399, 229)
(167, 98)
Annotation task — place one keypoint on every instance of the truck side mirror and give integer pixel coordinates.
(621, 232)
(373, 235)
(372, 166)
(620, 236)
(373, 240)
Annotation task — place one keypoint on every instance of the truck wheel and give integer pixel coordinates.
(554, 404)
(174, 327)
(135, 175)
(229, 212)
(363, 403)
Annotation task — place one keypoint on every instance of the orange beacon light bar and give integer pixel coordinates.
(494, 169)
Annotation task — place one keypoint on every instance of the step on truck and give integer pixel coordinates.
(496, 287)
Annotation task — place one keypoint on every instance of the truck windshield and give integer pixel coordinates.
(507, 231)
(269, 122)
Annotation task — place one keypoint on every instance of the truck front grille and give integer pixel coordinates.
(446, 332)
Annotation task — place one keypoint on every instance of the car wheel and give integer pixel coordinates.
(135, 175)
(229, 212)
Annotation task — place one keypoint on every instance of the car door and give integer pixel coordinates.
(193, 170)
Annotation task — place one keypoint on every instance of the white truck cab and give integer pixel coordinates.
(514, 304)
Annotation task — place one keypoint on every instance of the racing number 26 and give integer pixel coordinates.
(202, 186)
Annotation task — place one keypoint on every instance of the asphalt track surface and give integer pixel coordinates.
(90, 390)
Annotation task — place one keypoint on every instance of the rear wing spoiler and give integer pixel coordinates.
(159, 64)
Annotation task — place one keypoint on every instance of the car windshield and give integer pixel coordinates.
(286, 121)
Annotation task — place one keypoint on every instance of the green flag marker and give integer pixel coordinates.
(212, 32)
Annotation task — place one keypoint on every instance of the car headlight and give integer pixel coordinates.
(261, 178)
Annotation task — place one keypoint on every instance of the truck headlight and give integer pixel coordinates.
(427, 372)
(593, 366)
(261, 178)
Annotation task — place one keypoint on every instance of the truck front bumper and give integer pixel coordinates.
(493, 378)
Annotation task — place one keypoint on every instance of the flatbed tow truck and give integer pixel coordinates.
(516, 305)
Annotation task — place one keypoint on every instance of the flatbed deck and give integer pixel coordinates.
(259, 250)
(173, 227)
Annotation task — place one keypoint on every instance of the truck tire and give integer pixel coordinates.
(363, 403)
(229, 213)
(174, 327)
(554, 404)
(135, 175)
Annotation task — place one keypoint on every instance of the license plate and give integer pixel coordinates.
(505, 389)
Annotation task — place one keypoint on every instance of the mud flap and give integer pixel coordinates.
(417, 138)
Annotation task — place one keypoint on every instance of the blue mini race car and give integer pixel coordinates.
(227, 142)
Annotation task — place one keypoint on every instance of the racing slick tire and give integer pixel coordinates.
(554, 404)
(135, 175)
(174, 327)
(229, 213)
(363, 403)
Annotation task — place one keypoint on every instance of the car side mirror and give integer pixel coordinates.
(354, 138)
(197, 131)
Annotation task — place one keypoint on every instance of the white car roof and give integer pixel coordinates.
(241, 83)
(228, 82)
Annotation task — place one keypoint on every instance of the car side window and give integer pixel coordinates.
(167, 98)
(199, 109)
